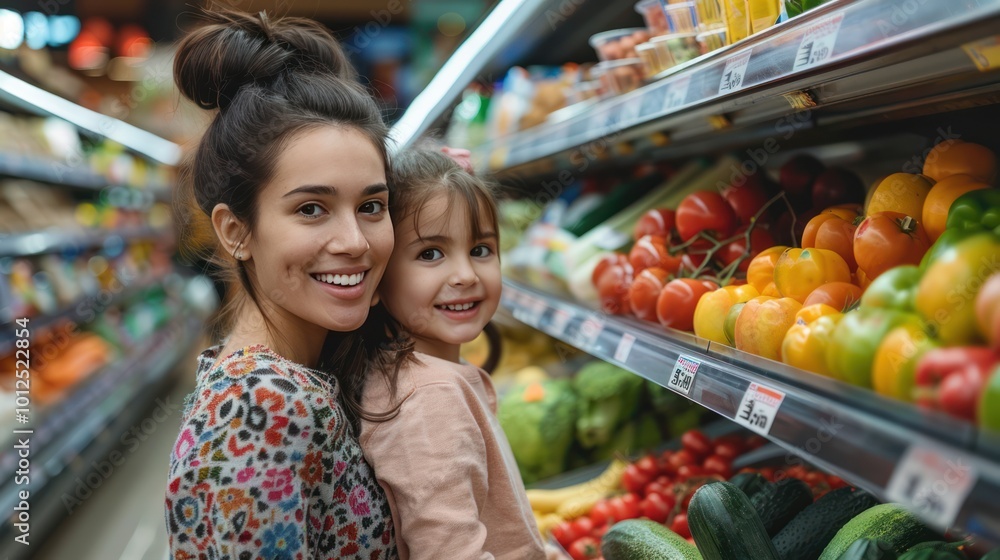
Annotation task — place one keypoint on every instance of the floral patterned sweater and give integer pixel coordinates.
(267, 466)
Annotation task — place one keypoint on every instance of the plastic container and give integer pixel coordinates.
(711, 15)
(712, 40)
(621, 76)
(762, 14)
(654, 16)
(682, 17)
(682, 46)
(655, 57)
(618, 43)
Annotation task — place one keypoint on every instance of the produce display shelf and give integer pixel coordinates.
(60, 241)
(57, 173)
(862, 59)
(946, 470)
(80, 418)
(80, 312)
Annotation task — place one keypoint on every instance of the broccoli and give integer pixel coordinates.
(539, 420)
(608, 397)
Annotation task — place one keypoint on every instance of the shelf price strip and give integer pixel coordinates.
(734, 72)
(683, 374)
(933, 485)
(759, 407)
(817, 43)
(624, 347)
(677, 92)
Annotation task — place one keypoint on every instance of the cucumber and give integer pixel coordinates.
(935, 550)
(750, 483)
(779, 503)
(869, 549)
(806, 535)
(889, 522)
(992, 555)
(638, 539)
(725, 525)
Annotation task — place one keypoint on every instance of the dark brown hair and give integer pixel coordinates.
(269, 79)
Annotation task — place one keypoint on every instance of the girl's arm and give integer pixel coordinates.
(432, 460)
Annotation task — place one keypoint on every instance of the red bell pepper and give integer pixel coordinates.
(952, 379)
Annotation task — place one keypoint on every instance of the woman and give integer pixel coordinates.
(292, 174)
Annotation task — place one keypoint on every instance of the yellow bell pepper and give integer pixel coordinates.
(894, 369)
(800, 271)
(805, 343)
(710, 314)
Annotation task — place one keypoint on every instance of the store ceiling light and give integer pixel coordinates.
(11, 30)
(39, 101)
(462, 67)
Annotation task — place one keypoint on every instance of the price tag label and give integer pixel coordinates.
(985, 53)
(817, 43)
(759, 407)
(734, 73)
(560, 319)
(933, 484)
(590, 332)
(677, 92)
(630, 110)
(682, 377)
(624, 347)
(534, 309)
(578, 128)
(652, 102)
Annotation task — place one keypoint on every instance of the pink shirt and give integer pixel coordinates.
(448, 472)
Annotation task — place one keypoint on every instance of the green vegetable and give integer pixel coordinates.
(750, 483)
(852, 347)
(888, 522)
(869, 549)
(725, 525)
(893, 289)
(539, 421)
(777, 504)
(808, 533)
(989, 404)
(620, 198)
(992, 555)
(976, 211)
(608, 398)
(637, 539)
(935, 550)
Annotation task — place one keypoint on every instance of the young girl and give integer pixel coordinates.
(291, 174)
(446, 467)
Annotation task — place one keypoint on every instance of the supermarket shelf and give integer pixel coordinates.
(861, 61)
(891, 449)
(58, 173)
(80, 420)
(80, 312)
(55, 241)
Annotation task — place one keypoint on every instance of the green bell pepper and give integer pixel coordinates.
(893, 289)
(973, 212)
(989, 402)
(851, 352)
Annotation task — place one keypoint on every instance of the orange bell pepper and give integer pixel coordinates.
(804, 346)
(763, 323)
(834, 229)
(800, 271)
(760, 273)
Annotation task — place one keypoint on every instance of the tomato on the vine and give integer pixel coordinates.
(677, 301)
(659, 221)
(680, 525)
(604, 263)
(682, 458)
(601, 513)
(727, 450)
(705, 211)
(649, 250)
(659, 486)
(690, 471)
(634, 480)
(647, 464)
(655, 508)
(748, 198)
(715, 464)
(585, 548)
(582, 526)
(644, 292)
(760, 240)
(564, 534)
(697, 443)
(613, 288)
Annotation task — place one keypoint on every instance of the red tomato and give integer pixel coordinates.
(648, 251)
(797, 177)
(606, 261)
(585, 548)
(693, 257)
(747, 199)
(756, 441)
(613, 289)
(705, 211)
(768, 473)
(681, 458)
(657, 487)
(664, 463)
(601, 513)
(647, 464)
(715, 464)
(837, 186)
(727, 450)
(673, 263)
(644, 292)
(599, 531)
(563, 533)
(658, 222)
(676, 303)
(690, 471)
(630, 503)
(680, 525)
(815, 479)
(655, 508)
(835, 482)
(634, 480)
(760, 239)
(582, 526)
(696, 443)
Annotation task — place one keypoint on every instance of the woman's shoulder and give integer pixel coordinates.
(255, 364)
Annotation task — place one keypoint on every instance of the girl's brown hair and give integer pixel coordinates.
(269, 80)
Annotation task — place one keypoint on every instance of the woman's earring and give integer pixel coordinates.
(239, 252)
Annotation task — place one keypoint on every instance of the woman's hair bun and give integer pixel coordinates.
(234, 49)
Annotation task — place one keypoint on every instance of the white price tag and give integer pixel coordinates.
(535, 310)
(590, 332)
(759, 407)
(677, 92)
(560, 319)
(630, 110)
(624, 347)
(817, 43)
(734, 73)
(682, 377)
(933, 484)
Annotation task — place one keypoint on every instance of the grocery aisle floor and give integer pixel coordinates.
(124, 518)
